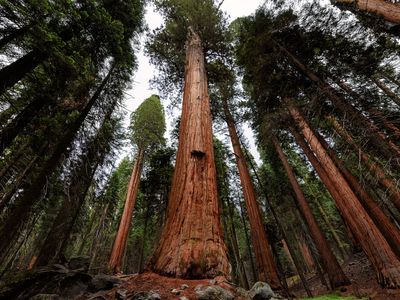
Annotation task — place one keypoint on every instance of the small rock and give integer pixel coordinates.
(45, 297)
(183, 298)
(175, 291)
(261, 291)
(184, 286)
(121, 294)
(198, 287)
(80, 263)
(146, 296)
(103, 282)
(214, 293)
(241, 292)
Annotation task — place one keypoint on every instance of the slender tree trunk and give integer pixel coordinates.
(246, 235)
(235, 246)
(126, 218)
(97, 236)
(332, 230)
(143, 241)
(386, 90)
(11, 161)
(384, 180)
(373, 112)
(20, 212)
(14, 72)
(13, 35)
(282, 230)
(377, 138)
(266, 268)
(385, 261)
(330, 264)
(390, 77)
(13, 187)
(389, 11)
(387, 228)
(8, 133)
(56, 240)
(192, 245)
(87, 233)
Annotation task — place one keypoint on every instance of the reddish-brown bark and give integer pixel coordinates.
(384, 180)
(376, 137)
(192, 245)
(373, 112)
(266, 267)
(126, 218)
(386, 90)
(330, 264)
(389, 11)
(388, 229)
(374, 244)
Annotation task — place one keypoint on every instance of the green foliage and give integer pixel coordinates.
(148, 124)
(166, 45)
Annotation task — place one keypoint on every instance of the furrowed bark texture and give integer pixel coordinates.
(126, 218)
(389, 11)
(385, 181)
(330, 264)
(266, 268)
(375, 246)
(376, 137)
(192, 245)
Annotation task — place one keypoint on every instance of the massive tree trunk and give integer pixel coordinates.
(389, 11)
(31, 195)
(14, 72)
(385, 181)
(384, 260)
(126, 218)
(330, 264)
(377, 138)
(388, 229)
(266, 268)
(192, 245)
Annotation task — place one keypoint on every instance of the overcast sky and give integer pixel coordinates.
(140, 83)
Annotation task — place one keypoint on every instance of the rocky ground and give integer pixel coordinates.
(72, 281)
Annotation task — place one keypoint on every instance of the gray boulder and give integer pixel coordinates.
(146, 296)
(103, 282)
(214, 293)
(79, 263)
(261, 291)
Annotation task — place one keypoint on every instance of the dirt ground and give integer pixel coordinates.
(362, 276)
(136, 284)
(358, 270)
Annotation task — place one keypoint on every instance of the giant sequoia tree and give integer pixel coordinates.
(148, 127)
(192, 244)
(285, 58)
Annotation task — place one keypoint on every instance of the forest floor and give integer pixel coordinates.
(165, 287)
(357, 268)
(363, 278)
